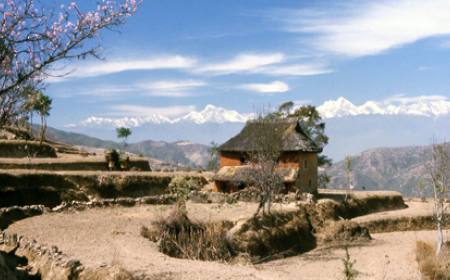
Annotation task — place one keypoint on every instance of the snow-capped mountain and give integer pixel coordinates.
(213, 114)
(210, 114)
(428, 106)
(352, 128)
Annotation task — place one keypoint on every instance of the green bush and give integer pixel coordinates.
(181, 186)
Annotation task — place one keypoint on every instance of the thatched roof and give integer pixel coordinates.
(289, 131)
(240, 173)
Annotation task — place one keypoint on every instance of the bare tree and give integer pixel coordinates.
(263, 161)
(348, 173)
(439, 170)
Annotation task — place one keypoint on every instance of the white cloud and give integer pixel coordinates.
(366, 28)
(243, 63)
(147, 111)
(98, 68)
(297, 70)
(272, 64)
(171, 88)
(173, 85)
(445, 44)
(423, 68)
(273, 87)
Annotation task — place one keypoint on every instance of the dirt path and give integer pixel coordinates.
(104, 237)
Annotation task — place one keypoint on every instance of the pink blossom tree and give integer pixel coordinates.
(34, 38)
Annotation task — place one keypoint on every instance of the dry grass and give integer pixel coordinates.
(431, 266)
(343, 232)
(116, 272)
(181, 238)
(274, 235)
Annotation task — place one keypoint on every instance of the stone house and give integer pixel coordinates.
(297, 163)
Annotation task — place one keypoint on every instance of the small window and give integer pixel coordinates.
(306, 164)
(310, 183)
(243, 160)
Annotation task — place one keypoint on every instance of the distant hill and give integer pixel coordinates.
(396, 169)
(180, 153)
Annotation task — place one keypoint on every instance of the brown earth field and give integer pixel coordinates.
(102, 238)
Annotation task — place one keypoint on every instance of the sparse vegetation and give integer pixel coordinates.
(213, 162)
(112, 158)
(421, 189)
(263, 161)
(349, 271)
(439, 170)
(348, 173)
(181, 186)
(432, 266)
(274, 235)
(179, 237)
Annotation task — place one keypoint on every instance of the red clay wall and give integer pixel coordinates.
(306, 162)
(230, 159)
(308, 179)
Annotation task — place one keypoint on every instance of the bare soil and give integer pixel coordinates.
(101, 238)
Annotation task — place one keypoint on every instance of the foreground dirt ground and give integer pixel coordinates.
(100, 238)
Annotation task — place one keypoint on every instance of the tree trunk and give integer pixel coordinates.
(439, 221)
(31, 125)
(42, 130)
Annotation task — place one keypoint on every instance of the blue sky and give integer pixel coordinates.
(176, 56)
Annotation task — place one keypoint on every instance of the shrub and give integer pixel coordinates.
(112, 158)
(179, 237)
(349, 272)
(344, 231)
(181, 186)
(274, 235)
(432, 266)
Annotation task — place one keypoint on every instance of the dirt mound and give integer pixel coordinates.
(13, 214)
(344, 232)
(273, 235)
(179, 237)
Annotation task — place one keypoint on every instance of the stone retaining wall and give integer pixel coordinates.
(22, 148)
(56, 164)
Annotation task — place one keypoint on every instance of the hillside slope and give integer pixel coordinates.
(180, 153)
(398, 169)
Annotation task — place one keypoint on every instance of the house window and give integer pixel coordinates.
(306, 164)
(243, 160)
(309, 183)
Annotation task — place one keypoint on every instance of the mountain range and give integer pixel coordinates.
(394, 122)
(398, 169)
(427, 106)
(178, 153)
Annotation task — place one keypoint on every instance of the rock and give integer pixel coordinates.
(127, 202)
